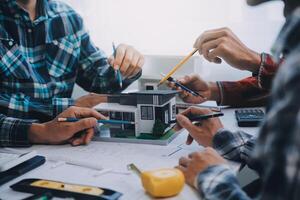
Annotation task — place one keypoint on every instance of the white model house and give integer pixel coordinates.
(143, 108)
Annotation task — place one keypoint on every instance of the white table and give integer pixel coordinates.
(114, 157)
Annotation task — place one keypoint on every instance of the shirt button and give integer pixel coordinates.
(10, 43)
(29, 30)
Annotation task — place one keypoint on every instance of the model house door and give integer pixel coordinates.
(162, 113)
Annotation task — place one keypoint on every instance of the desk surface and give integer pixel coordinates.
(114, 157)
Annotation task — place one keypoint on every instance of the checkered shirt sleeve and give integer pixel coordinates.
(14, 132)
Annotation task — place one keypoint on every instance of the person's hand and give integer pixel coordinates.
(202, 132)
(55, 132)
(208, 90)
(197, 162)
(219, 44)
(90, 100)
(128, 60)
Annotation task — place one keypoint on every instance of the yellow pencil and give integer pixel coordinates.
(182, 62)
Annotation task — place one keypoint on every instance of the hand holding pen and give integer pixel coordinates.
(196, 84)
(202, 132)
(126, 61)
(101, 121)
(55, 132)
(117, 71)
(184, 88)
(200, 118)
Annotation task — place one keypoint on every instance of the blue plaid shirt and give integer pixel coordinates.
(41, 60)
(275, 154)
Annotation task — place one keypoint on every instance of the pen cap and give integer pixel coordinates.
(163, 182)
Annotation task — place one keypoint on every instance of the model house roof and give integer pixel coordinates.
(115, 107)
(156, 92)
(154, 97)
(149, 97)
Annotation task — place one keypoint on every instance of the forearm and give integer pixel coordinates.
(242, 93)
(219, 182)
(235, 146)
(253, 62)
(215, 93)
(36, 134)
(238, 93)
(251, 91)
(25, 107)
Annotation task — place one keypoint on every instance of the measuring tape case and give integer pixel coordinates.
(27, 186)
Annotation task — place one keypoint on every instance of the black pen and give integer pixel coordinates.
(201, 117)
(178, 84)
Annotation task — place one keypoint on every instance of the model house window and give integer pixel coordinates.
(166, 116)
(149, 87)
(127, 116)
(115, 115)
(173, 111)
(146, 113)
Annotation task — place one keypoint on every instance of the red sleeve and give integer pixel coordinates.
(251, 91)
(243, 93)
(267, 71)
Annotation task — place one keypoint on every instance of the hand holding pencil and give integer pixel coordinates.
(179, 65)
(203, 132)
(55, 132)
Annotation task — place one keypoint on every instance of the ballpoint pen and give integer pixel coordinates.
(118, 72)
(103, 121)
(201, 117)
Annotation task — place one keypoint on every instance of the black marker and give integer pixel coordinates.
(201, 117)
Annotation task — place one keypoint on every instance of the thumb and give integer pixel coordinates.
(84, 124)
(189, 140)
(217, 60)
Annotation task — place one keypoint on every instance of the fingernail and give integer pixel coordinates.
(117, 67)
(76, 142)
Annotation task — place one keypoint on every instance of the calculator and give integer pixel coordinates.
(249, 117)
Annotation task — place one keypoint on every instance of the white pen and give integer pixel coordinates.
(58, 164)
(85, 164)
(79, 163)
(111, 171)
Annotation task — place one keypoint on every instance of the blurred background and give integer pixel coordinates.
(170, 27)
